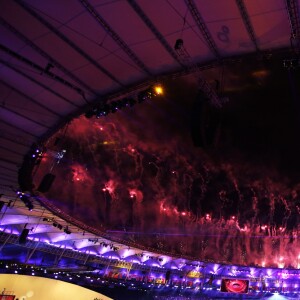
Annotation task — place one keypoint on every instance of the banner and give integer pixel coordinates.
(194, 274)
(123, 265)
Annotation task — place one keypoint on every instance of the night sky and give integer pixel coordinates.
(177, 174)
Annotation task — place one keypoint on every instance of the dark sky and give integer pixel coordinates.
(262, 118)
(177, 166)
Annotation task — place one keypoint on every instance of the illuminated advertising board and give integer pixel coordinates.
(194, 274)
(234, 285)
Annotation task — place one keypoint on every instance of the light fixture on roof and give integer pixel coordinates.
(150, 93)
(1, 205)
(291, 64)
(26, 200)
(23, 236)
(158, 89)
(59, 226)
(67, 231)
(178, 44)
(129, 102)
(103, 109)
(48, 67)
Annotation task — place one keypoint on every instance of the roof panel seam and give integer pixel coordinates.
(115, 36)
(154, 30)
(68, 42)
(45, 55)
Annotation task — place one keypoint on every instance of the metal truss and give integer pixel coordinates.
(196, 69)
(11, 150)
(44, 54)
(60, 252)
(4, 107)
(293, 13)
(291, 64)
(7, 137)
(29, 98)
(38, 83)
(68, 41)
(42, 70)
(115, 36)
(8, 178)
(247, 22)
(6, 238)
(19, 129)
(8, 169)
(202, 27)
(153, 29)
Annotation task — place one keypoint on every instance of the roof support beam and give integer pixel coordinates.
(202, 27)
(58, 258)
(8, 161)
(18, 128)
(30, 99)
(5, 241)
(10, 179)
(293, 13)
(40, 69)
(11, 150)
(86, 259)
(247, 22)
(32, 252)
(24, 116)
(68, 41)
(8, 169)
(38, 83)
(153, 29)
(8, 183)
(115, 36)
(15, 141)
(44, 54)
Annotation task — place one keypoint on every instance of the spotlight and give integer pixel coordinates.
(178, 44)
(120, 103)
(144, 95)
(158, 90)
(150, 92)
(103, 111)
(114, 107)
(129, 102)
(30, 206)
(98, 111)
(36, 153)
